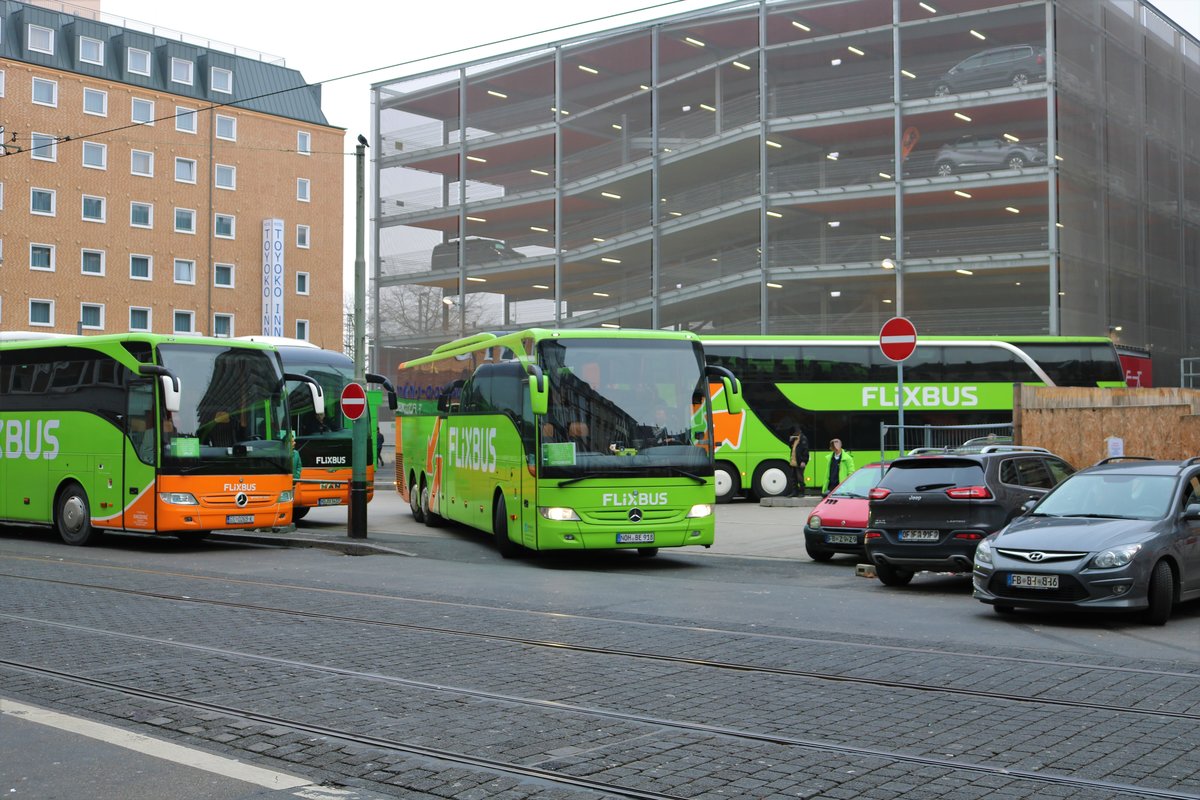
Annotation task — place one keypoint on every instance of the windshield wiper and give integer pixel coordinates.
(686, 474)
(850, 495)
(598, 474)
(929, 487)
(1097, 516)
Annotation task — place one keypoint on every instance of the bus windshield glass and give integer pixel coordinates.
(333, 371)
(624, 406)
(231, 414)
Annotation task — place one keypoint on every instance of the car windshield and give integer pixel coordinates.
(1109, 495)
(861, 482)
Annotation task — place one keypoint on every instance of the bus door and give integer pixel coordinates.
(137, 473)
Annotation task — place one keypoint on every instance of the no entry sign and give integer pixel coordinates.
(354, 401)
(898, 339)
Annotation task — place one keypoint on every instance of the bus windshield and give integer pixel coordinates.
(231, 414)
(333, 371)
(623, 405)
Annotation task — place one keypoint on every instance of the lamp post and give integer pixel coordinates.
(357, 527)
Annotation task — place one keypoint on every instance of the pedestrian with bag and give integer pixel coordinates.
(799, 460)
(838, 466)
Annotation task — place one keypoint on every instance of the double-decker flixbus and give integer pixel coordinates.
(324, 437)
(843, 387)
(562, 440)
(145, 433)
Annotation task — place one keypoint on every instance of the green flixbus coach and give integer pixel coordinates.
(562, 440)
(843, 387)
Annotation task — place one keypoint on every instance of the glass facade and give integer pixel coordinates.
(803, 168)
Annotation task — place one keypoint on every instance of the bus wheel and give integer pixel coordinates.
(73, 517)
(773, 479)
(299, 513)
(506, 546)
(427, 515)
(414, 501)
(727, 481)
(647, 552)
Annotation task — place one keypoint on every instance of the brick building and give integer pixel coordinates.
(139, 174)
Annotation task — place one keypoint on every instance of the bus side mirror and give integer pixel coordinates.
(314, 388)
(386, 384)
(172, 390)
(539, 392)
(733, 395)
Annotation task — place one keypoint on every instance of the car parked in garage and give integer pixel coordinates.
(1123, 535)
(1011, 65)
(838, 522)
(978, 154)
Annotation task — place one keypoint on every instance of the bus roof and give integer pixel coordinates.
(924, 338)
(516, 340)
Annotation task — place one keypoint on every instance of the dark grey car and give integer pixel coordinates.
(1012, 65)
(1123, 535)
(975, 154)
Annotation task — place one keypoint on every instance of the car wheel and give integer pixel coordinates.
(944, 168)
(647, 552)
(1015, 162)
(941, 90)
(1020, 79)
(414, 501)
(728, 484)
(890, 576)
(773, 479)
(1003, 608)
(299, 513)
(73, 517)
(1160, 593)
(817, 554)
(506, 546)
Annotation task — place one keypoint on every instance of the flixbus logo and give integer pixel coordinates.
(921, 396)
(633, 499)
(331, 459)
(31, 439)
(472, 448)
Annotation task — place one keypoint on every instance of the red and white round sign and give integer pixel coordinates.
(898, 338)
(354, 400)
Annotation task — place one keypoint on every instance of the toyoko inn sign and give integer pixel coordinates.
(272, 278)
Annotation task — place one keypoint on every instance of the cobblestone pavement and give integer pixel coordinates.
(278, 672)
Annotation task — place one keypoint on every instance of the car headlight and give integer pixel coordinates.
(700, 510)
(1115, 557)
(814, 522)
(285, 497)
(178, 498)
(983, 553)
(558, 514)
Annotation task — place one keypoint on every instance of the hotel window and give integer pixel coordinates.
(95, 102)
(185, 170)
(141, 163)
(181, 71)
(91, 51)
(41, 312)
(43, 147)
(45, 93)
(39, 39)
(141, 268)
(185, 119)
(223, 275)
(302, 329)
(224, 226)
(301, 283)
(91, 316)
(302, 234)
(91, 262)
(141, 215)
(226, 128)
(95, 155)
(93, 208)
(42, 202)
(137, 61)
(304, 143)
(1, 80)
(223, 325)
(226, 176)
(142, 111)
(303, 193)
(185, 322)
(185, 271)
(221, 80)
(139, 319)
(41, 257)
(185, 220)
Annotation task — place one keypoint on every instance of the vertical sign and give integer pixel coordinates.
(272, 278)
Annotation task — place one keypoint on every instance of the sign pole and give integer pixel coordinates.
(357, 523)
(898, 341)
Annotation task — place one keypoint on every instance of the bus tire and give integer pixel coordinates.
(414, 500)
(725, 477)
(773, 479)
(504, 545)
(299, 513)
(428, 516)
(73, 516)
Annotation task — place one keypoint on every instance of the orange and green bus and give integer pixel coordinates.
(144, 433)
(843, 387)
(562, 440)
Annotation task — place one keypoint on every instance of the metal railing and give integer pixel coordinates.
(893, 438)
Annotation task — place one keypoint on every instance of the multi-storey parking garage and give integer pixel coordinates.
(1028, 167)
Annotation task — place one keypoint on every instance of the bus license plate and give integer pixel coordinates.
(920, 536)
(841, 538)
(329, 501)
(635, 538)
(1033, 581)
(238, 519)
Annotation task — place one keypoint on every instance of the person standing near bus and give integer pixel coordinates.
(838, 465)
(799, 460)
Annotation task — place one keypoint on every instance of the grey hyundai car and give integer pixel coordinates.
(1123, 535)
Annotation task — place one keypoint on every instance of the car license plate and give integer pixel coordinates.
(329, 501)
(238, 519)
(635, 538)
(841, 538)
(920, 536)
(1033, 581)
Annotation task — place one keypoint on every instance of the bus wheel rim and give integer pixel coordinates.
(773, 481)
(73, 514)
(723, 483)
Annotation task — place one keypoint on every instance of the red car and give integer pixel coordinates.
(836, 525)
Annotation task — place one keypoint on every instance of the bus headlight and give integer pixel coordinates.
(178, 498)
(285, 497)
(700, 510)
(558, 514)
